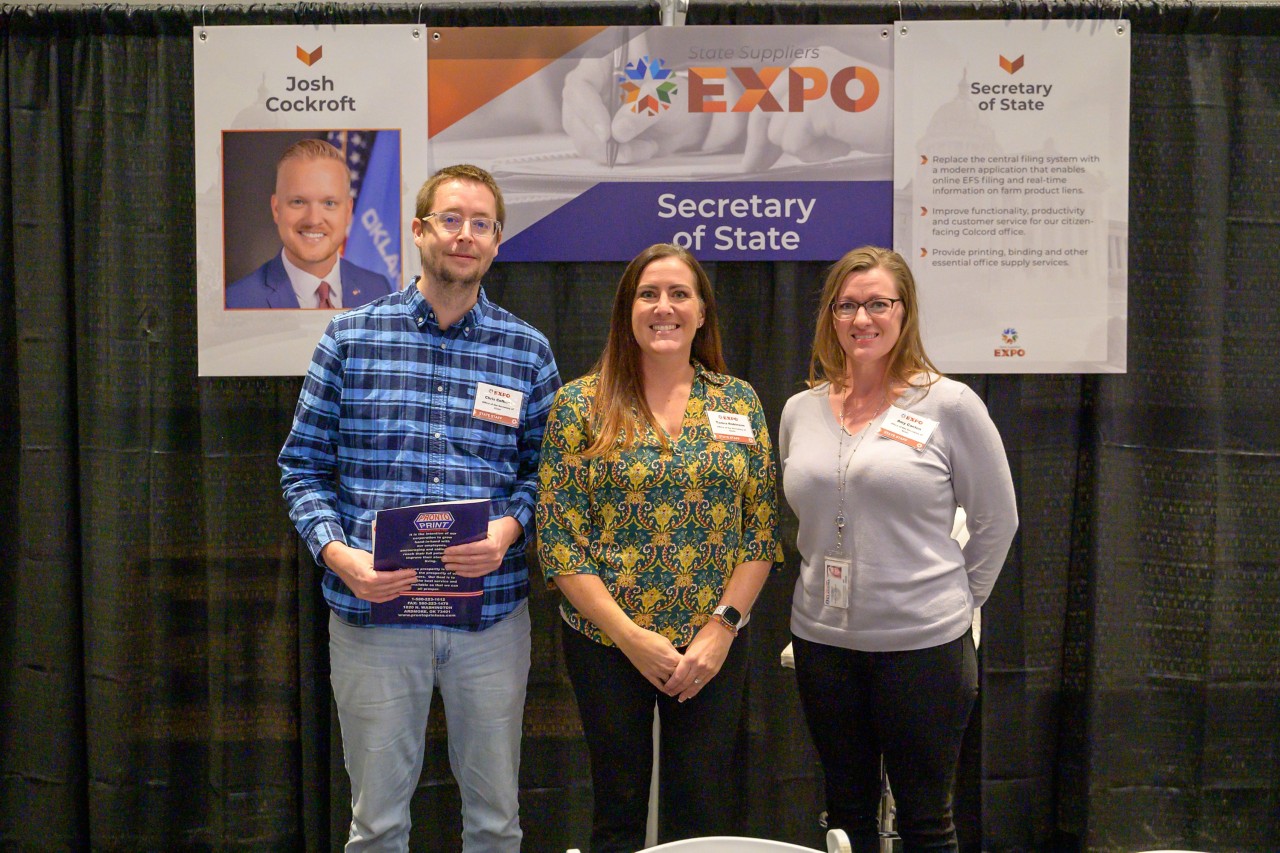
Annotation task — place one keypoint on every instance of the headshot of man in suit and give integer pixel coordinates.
(312, 208)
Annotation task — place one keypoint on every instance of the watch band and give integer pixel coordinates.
(724, 623)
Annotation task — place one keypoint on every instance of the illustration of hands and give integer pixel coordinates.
(834, 123)
(606, 129)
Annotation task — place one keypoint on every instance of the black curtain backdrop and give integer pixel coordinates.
(162, 637)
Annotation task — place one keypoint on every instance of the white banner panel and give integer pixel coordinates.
(1011, 172)
(259, 90)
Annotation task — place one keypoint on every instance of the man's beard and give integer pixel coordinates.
(446, 278)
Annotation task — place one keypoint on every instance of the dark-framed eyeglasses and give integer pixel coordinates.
(481, 227)
(847, 309)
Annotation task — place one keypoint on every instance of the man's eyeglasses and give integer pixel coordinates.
(480, 226)
(847, 309)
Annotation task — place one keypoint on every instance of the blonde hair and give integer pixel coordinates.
(907, 359)
(313, 149)
(620, 406)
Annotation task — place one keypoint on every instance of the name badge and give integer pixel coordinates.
(835, 583)
(727, 426)
(499, 405)
(910, 429)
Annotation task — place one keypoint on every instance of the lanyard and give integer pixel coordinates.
(842, 467)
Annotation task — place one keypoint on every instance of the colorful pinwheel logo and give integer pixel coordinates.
(648, 85)
(1009, 336)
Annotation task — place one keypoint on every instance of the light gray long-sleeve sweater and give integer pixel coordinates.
(912, 586)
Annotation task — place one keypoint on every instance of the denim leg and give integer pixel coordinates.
(836, 694)
(927, 696)
(699, 741)
(615, 703)
(382, 680)
(482, 678)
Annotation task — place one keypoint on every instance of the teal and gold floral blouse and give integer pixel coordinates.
(663, 529)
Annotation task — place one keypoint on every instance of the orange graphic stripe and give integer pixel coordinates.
(469, 66)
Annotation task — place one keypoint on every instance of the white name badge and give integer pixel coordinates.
(727, 426)
(835, 582)
(910, 429)
(499, 405)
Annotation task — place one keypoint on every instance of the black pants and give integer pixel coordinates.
(697, 791)
(912, 708)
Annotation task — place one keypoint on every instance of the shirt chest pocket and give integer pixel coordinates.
(492, 442)
(492, 432)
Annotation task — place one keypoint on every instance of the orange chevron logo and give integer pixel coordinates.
(1014, 66)
(314, 56)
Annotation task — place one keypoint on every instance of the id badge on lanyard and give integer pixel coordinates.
(836, 569)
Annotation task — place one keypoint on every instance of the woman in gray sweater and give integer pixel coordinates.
(876, 456)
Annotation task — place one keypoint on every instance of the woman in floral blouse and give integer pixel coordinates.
(656, 521)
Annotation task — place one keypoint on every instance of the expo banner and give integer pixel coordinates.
(739, 143)
(268, 237)
(1011, 201)
(992, 154)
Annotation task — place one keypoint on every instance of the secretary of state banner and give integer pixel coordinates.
(739, 143)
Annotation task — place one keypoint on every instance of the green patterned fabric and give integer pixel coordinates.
(664, 528)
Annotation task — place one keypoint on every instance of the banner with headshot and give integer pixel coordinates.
(1011, 191)
(992, 154)
(307, 165)
(740, 143)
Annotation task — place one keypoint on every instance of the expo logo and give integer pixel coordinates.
(1009, 337)
(853, 89)
(803, 84)
(429, 521)
(648, 85)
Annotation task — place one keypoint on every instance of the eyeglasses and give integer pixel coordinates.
(480, 226)
(847, 309)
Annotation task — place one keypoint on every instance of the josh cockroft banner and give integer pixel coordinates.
(258, 91)
(740, 143)
(1011, 191)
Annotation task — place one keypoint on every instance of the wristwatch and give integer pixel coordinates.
(729, 615)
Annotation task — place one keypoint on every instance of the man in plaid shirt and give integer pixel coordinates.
(395, 410)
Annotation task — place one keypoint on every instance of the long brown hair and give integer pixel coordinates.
(620, 407)
(907, 358)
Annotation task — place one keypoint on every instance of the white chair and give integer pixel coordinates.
(837, 842)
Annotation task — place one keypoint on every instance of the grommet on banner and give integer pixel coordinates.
(204, 36)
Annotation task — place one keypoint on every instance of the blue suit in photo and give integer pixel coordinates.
(268, 287)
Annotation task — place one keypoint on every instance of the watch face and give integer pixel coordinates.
(731, 613)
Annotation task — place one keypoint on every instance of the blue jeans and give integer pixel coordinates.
(912, 708)
(382, 682)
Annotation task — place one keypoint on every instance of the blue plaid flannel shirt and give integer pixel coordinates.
(384, 420)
